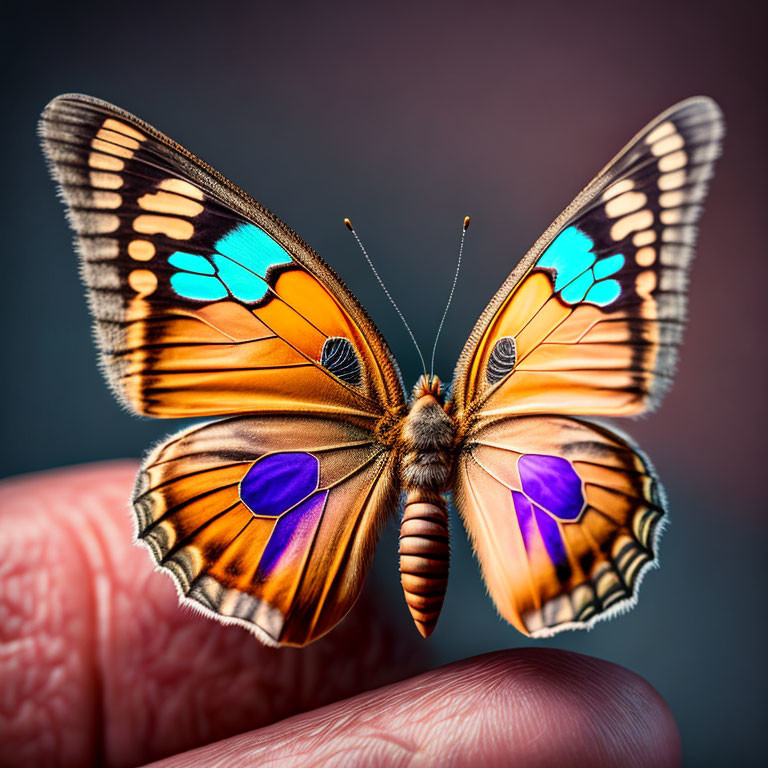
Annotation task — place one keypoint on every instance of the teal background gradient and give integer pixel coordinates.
(405, 117)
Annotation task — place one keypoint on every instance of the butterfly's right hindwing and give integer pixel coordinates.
(564, 516)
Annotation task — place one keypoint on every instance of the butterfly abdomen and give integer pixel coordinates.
(424, 559)
(428, 438)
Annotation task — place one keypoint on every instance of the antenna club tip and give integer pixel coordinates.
(466, 223)
(348, 225)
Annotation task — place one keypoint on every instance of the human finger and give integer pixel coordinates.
(527, 707)
(100, 664)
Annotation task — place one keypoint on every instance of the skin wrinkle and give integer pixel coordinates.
(43, 717)
(579, 721)
(361, 749)
(582, 720)
(88, 542)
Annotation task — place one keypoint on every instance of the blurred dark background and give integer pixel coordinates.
(406, 117)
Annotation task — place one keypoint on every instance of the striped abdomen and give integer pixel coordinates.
(428, 437)
(424, 557)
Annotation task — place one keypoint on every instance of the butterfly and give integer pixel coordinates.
(207, 305)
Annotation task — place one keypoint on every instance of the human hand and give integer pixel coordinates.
(100, 666)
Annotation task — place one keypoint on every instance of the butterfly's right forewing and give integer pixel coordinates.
(590, 321)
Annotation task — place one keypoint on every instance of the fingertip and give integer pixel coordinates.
(553, 704)
(530, 707)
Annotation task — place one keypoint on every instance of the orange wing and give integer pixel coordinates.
(563, 513)
(590, 321)
(268, 522)
(205, 303)
(564, 516)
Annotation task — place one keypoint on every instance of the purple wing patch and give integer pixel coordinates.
(529, 518)
(524, 510)
(284, 486)
(278, 482)
(552, 483)
(553, 539)
(551, 491)
(293, 534)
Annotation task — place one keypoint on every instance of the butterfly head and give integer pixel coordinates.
(429, 384)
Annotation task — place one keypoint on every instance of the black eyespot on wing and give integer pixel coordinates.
(339, 357)
(502, 359)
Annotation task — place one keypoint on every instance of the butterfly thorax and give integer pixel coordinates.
(428, 437)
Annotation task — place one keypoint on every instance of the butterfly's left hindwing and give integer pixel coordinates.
(269, 522)
(204, 302)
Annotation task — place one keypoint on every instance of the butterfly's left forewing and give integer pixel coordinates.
(564, 513)
(206, 304)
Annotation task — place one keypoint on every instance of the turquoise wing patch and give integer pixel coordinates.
(579, 275)
(238, 267)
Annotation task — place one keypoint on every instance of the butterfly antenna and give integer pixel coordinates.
(349, 226)
(464, 228)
